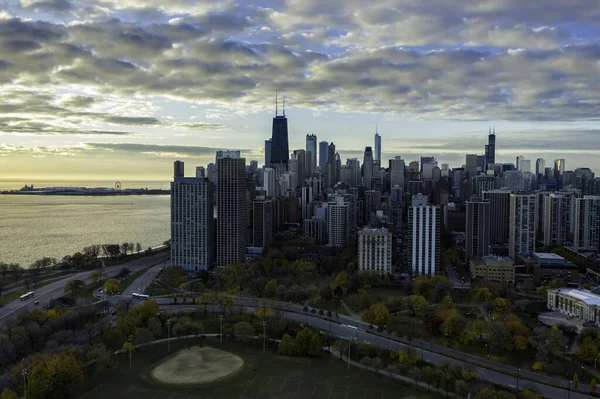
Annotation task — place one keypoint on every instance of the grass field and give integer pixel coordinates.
(264, 376)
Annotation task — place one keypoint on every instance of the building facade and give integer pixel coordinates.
(316, 228)
(424, 237)
(499, 213)
(231, 208)
(557, 210)
(262, 222)
(582, 304)
(192, 232)
(586, 235)
(494, 268)
(311, 154)
(375, 250)
(523, 221)
(477, 228)
(338, 222)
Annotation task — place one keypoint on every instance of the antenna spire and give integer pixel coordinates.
(494, 130)
(283, 105)
(376, 129)
(276, 110)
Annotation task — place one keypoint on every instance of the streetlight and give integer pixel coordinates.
(518, 379)
(349, 338)
(130, 350)
(570, 382)
(169, 332)
(221, 321)
(264, 323)
(595, 361)
(566, 350)
(24, 373)
(488, 351)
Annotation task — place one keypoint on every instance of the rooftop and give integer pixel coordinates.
(547, 256)
(587, 297)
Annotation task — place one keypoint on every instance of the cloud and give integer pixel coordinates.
(153, 149)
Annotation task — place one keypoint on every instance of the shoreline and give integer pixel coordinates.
(88, 194)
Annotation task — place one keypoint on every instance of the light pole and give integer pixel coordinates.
(130, 350)
(264, 323)
(169, 332)
(595, 361)
(518, 379)
(221, 321)
(566, 350)
(488, 351)
(569, 397)
(24, 373)
(349, 346)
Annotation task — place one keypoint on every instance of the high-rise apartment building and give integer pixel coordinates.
(269, 182)
(477, 228)
(268, 149)
(523, 221)
(377, 155)
(262, 222)
(300, 156)
(331, 165)
(368, 167)
(375, 250)
(586, 235)
(316, 228)
(338, 222)
(557, 210)
(499, 213)
(311, 154)
(192, 232)
(231, 208)
(354, 166)
(396, 172)
(423, 237)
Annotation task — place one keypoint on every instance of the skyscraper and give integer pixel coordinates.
(540, 167)
(557, 211)
(490, 150)
(178, 169)
(471, 164)
(300, 156)
(323, 157)
(262, 223)
(311, 154)
(424, 237)
(280, 150)
(368, 167)
(377, 155)
(231, 208)
(268, 148)
(559, 170)
(192, 232)
(397, 172)
(499, 213)
(587, 223)
(354, 166)
(331, 165)
(269, 182)
(523, 221)
(477, 229)
(427, 165)
(375, 250)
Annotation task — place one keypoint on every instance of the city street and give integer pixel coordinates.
(45, 294)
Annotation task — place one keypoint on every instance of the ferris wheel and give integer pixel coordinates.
(118, 186)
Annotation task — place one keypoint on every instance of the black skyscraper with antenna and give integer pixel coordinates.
(279, 138)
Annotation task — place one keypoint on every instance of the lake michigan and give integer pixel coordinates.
(32, 227)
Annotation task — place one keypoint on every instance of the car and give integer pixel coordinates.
(36, 302)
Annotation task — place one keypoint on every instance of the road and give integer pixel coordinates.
(45, 294)
(354, 330)
(142, 282)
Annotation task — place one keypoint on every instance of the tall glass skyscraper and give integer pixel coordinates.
(280, 150)
(311, 154)
(377, 155)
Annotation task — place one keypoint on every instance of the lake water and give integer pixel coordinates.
(32, 227)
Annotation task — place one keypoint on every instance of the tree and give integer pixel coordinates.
(414, 373)
(124, 273)
(138, 247)
(462, 388)
(340, 346)
(408, 357)
(143, 335)
(575, 381)
(74, 288)
(482, 294)
(486, 393)
(538, 366)
(244, 331)
(315, 347)
(427, 374)
(593, 384)
(499, 337)
(527, 394)
(506, 395)
(326, 293)
(417, 304)
(271, 288)
(54, 376)
(587, 350)
(502, 305)
(287, 346)
(8, 394)
(520, 343)
(96, 276)
(112, 286)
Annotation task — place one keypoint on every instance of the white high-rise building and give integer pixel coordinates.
(338, 222)
(586, 235)
(269, 182)
(192, 232)
(424, 237)
(513, 180)
(375, 250)
(231, 208)
(557, 211)
(525, 166)
(523, 221)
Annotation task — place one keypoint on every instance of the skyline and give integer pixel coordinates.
(115, 90)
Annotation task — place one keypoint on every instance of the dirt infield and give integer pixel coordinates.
(197, 365)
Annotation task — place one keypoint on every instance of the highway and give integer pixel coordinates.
(45, 294)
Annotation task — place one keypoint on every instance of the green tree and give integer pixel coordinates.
(96, 276)
(575, 381)
(414, 373)
(587, 351)
(244, 331)
(287, 346)
(341, 346)
(271, 288)
(417, 304)
(112, 286)
(74, 288)
(593, 384)
(462, 388)
(54, 376)
(502, 305)
(527, 394)
(8, 394)
(315, 347)
(482, 294)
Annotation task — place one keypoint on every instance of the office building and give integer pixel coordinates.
(513, 180)
(559, 170)
(483, 183)
(377, 155)
(200, 172)
(427, 166)
(477, 228)
(423, 237)
(375, 250)
(367, 167)
(499, 213)
(311, 154)
(525, 166)
(540, 167)
(269, 182)
(316, 228)
(306, 202)
(231, 208)
(557, 210)
(354, 166)
(192, 231)
(323, 157)
(493, 268)
(471, 164)
(262, 222)
(397, 172)
(586, 234)
(268, 148)
(300, 156)
(338, 222)
(576, 303)
(490, 150)
(280, 150)
(211, 170)
(523, 221)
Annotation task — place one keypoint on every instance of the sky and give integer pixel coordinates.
(119, 89)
